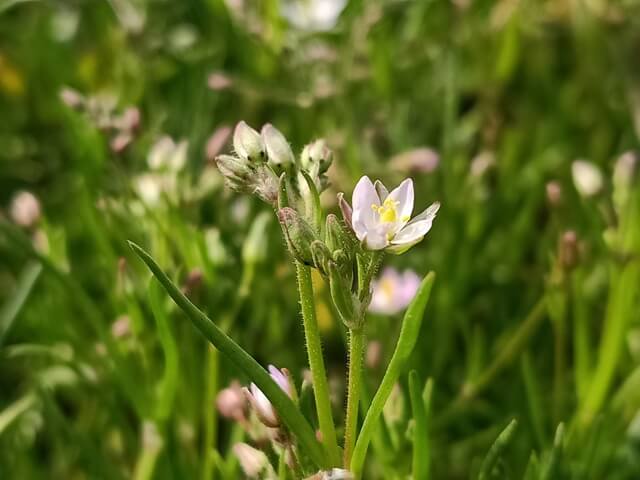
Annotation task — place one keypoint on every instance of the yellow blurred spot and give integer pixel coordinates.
(325, 318)
(11, 81)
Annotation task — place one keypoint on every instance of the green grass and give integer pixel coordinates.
(512, 330)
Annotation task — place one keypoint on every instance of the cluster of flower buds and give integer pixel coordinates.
(260, 158)
(101, 111)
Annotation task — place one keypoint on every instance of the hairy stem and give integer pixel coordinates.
(356, 347)
(316, 363)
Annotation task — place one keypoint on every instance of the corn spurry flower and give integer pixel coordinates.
(393, 291)
(261, 404)
(382, 220)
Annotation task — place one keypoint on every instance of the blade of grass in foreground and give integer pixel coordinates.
(286, 409)
(419, 406)
(496, 450)
(407, 340)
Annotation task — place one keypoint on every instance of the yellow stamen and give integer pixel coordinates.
(387, 211)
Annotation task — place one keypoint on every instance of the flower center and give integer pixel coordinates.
(387, 211)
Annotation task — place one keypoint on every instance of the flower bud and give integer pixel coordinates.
(235, 170)
(346, 303)
(252, 461)
(321, 256)
(338, 237)
(25, 209)
(554, 193)
(568, 250)
(248, 143)
(316, 157)
(279, 153)
(587, 178)
(261, 404)
(298, 234)
(232, 403)
(345, 208)
(72, 98)
(624, 171)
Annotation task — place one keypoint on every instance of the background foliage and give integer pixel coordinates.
(506, 93)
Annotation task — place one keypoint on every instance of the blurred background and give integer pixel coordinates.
(521, 117)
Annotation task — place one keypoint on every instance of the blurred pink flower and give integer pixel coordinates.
(393, 291)
(420, 160)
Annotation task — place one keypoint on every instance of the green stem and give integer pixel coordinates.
(356, 347)
(210, 417)
(621, 300)
(316, 363)
(284, 406)
(406, 341)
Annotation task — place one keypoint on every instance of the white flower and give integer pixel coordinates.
(586, 177)
(393, 291)
(382, 220)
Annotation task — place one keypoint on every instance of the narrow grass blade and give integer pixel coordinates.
(407, 340)
(13, 306)
(421, 446)
(286, 409)
(553, 465)
(496, 450)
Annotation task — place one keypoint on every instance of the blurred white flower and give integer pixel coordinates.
(382, 220)
(587, 178)
(252, 461)
(165, 154)
(393, 291)
(313, 15)
(149, 188)
(25, 209)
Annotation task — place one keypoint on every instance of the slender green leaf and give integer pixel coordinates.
(286, 409)
(407, 340)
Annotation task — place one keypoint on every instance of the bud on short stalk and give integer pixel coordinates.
(347, 304)
(298, 234)
(279, 153)
(261, 404)
(248, 143)
(316, 157)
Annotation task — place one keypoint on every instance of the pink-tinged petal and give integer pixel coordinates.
(364, 216)
(403, 194)
(280, 378)
(345, 208)
(262, 406)
(382, 191)
(364, 196)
